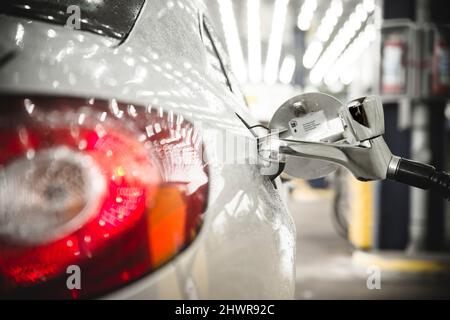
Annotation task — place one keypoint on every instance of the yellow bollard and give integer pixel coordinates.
(360, 227)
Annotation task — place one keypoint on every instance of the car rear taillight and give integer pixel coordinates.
(112, 188)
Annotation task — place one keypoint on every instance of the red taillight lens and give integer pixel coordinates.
(114, 189)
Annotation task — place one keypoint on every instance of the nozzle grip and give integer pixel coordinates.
(422, 176)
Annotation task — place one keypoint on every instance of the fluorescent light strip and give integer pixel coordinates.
(232, 39)
(287, 69)
(337, 46)
(254, 40)
(324, 31)
(306, 14)
(312, 53)
(369, 5)
(275, 41)
(329, 20)
(341, 68)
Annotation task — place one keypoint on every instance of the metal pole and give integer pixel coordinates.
(420, 151)
(420, 145)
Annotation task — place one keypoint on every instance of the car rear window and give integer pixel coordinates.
(112, 18)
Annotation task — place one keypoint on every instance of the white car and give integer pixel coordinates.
(117, 175)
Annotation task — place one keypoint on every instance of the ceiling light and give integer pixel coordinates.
(275, 41)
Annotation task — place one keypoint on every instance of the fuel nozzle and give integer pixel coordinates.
(316, 133)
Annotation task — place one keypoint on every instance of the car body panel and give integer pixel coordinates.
(246, 246)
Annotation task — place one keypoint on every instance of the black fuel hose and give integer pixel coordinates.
(423, 176)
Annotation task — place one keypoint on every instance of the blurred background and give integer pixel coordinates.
(349, 231)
